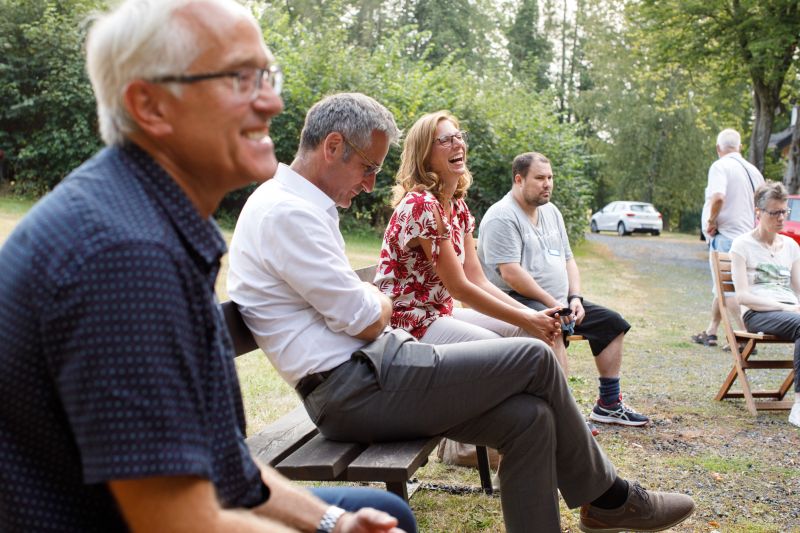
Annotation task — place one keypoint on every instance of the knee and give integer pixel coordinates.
(394, 505)
(354, 498)
(526, 418)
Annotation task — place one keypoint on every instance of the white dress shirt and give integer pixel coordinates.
(291, 278)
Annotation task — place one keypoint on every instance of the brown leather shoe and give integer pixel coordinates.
(643, 511)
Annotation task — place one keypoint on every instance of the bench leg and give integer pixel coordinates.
(399, 488)
(484, 470)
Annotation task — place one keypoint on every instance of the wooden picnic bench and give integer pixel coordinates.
(294, 446)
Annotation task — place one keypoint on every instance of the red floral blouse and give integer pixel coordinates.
(405, 274)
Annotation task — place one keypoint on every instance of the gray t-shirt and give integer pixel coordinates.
(506, 235)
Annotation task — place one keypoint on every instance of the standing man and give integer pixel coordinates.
(325, 332)
(727, 213)
(524, 250)
(119, 404)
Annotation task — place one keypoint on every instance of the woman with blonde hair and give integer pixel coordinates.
(428, 256)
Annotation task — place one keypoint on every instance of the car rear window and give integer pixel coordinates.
(642, 208)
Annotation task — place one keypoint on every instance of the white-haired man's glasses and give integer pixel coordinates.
(247, 82)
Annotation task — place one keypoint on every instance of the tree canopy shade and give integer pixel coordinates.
(756, 37)
(647, 125)
(624, 96)
(47, 118)
(415, 57)
(530, 50)
(503, 116)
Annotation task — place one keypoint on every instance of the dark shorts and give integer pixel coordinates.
(600, 326)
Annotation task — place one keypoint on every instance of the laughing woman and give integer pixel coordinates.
(428, 256)
(765, 267)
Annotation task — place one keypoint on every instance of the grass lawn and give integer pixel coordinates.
(743, 472)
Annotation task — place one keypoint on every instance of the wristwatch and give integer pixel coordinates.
(573, 296)
(329, 519)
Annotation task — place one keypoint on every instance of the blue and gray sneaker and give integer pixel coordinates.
(617, 413)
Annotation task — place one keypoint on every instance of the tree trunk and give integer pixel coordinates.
(792, 177)
(765, 101)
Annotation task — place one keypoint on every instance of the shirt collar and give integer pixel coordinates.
(303, 188)
(735, 155)
(201, 235)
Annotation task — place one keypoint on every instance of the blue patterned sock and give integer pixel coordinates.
(609, 391)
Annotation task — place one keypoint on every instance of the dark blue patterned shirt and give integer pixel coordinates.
(115, 362)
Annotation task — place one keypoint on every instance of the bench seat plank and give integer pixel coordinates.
(391, 461)
(279, 439)
(320, 460)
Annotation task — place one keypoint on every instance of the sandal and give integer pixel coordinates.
(704, 339)
(727, 348)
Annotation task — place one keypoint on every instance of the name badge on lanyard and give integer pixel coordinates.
(554, 251)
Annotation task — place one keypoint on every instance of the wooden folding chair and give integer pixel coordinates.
(741, 358)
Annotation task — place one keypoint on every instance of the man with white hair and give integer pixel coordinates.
(728, 212)
(119, 403)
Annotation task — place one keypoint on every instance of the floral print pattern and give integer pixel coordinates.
(405, 274)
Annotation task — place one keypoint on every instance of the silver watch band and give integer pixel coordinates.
(329, 519)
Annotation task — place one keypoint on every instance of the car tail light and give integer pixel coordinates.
(630, 214)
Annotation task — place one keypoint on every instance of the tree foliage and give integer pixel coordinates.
(47, 121)
(504, 118)
(530, 50)
(758, 37)
(652, 125)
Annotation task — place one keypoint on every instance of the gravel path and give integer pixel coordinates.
(651, 254)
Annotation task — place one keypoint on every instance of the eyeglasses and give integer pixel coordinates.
(247, 82)
(447, 140)
(778, 213)
(373, 167)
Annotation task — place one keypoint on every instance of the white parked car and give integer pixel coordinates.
(628, 217)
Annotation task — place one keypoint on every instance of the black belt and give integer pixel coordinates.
(307, 385)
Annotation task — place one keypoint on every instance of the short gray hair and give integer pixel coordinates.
(729, 138)
(771, 190)
(354, 115)
(140, 39)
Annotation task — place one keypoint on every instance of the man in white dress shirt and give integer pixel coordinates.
(325, 332)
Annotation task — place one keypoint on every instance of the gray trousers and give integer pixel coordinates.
(509, 394)
(781, 324)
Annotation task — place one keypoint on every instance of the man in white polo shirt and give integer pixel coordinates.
(728, 212)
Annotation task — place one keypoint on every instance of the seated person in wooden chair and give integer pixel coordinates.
(765, 267)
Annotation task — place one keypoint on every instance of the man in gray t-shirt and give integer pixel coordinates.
(524, 250)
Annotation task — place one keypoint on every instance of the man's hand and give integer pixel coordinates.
(577, 310)
(367, 520)
(711, 227)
